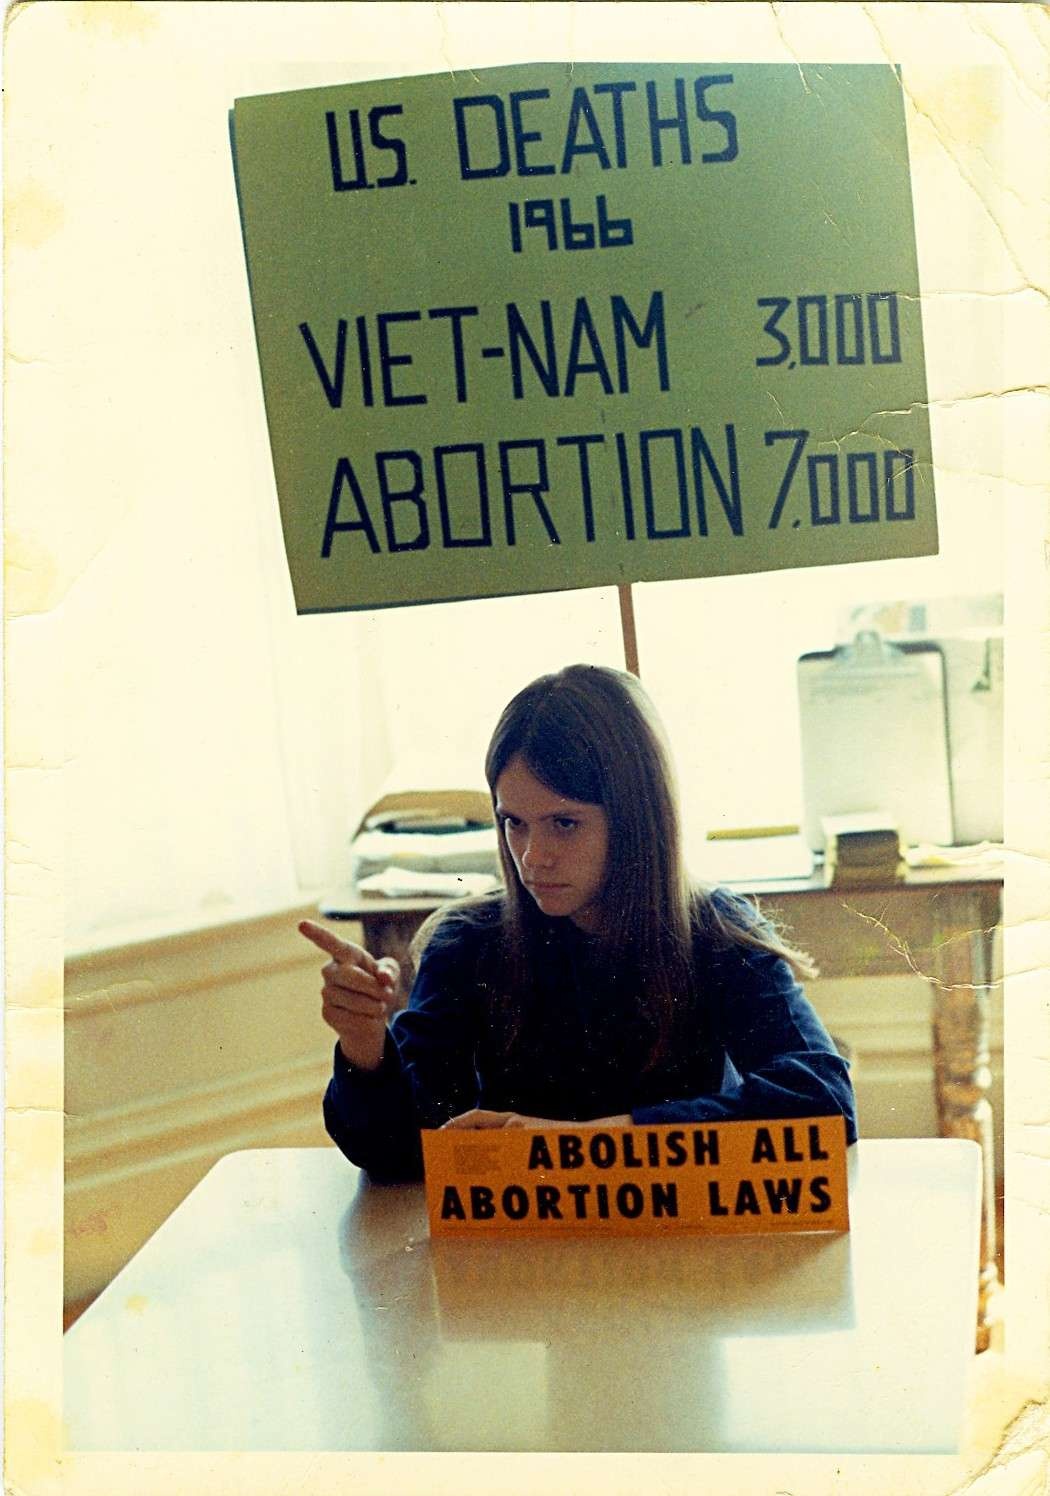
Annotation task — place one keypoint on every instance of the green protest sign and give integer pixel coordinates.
(557, 325)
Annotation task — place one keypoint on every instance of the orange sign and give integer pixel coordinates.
(725, 1178)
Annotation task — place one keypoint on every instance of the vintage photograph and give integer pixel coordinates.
(526, 720)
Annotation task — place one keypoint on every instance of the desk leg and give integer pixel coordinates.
(961, 981)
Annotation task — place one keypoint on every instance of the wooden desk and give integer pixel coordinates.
(938, 924)
(288, 1304)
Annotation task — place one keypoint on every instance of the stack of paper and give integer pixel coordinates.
(470, 851)
(404, 883)
(429, 819)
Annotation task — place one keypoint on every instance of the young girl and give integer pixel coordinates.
(599, 987)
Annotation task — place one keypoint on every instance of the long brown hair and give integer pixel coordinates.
(592, 734)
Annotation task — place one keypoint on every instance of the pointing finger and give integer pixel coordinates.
(341, 950)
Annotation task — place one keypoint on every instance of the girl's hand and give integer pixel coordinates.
(358, 994)
(481, 1118)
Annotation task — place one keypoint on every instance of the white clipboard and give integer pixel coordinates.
(874, 734)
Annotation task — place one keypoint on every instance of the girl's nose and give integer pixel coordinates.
(536, 853)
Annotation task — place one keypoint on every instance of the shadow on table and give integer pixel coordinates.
(516, 1343)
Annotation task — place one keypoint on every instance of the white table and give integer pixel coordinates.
(288, 1304)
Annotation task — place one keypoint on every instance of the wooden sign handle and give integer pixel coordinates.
(630, 637)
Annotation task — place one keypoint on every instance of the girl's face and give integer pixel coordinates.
(559, 846)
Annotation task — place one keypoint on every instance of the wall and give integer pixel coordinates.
(179, 1050)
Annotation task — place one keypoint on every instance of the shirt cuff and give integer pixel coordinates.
(343, 1070)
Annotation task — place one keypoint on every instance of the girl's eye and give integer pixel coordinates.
(566, 823)
(511, 823)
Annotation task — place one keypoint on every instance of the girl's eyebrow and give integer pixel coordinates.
(572, 811)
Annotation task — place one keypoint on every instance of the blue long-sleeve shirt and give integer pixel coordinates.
(753, 1048)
